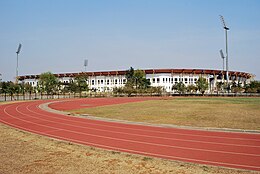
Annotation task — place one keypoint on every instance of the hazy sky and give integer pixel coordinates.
(57, 35)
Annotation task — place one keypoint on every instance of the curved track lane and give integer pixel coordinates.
(235, 150)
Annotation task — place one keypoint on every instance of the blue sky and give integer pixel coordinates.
(57, 35)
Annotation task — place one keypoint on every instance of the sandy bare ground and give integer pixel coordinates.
(22, 152)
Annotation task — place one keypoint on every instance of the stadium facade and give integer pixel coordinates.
(105, 81)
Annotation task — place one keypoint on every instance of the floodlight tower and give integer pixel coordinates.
(226, 29)
(17, 53)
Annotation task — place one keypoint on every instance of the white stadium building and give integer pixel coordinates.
(105, 81)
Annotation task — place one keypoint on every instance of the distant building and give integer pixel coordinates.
(105, 81)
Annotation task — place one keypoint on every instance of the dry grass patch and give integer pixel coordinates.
(10, 102)
(239, 113)
(23, 152)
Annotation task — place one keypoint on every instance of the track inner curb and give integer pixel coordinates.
(45, 106)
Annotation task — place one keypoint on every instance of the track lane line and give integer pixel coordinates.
(188, 131)
(164, 132)
(127, 140)
(140, 135)
(119, 139)
(46, 114)
(248, 167)
(77, 132)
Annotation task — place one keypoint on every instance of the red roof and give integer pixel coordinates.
(147, 71)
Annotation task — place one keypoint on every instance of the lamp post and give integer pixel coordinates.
(17, 53)
(226, 29)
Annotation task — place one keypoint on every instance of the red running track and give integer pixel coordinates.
(66, 105)
(235, 150)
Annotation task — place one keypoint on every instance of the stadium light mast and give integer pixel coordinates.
(17, 53)
(226, 29)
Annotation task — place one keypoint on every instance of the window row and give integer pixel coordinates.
(171, 80)
(32, 83)
(108, 82)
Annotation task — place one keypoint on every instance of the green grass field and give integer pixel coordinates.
(238, 113)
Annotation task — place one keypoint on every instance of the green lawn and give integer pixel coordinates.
(239, 113)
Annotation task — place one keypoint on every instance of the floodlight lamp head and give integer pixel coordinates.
(223, 22)
(226, 28)
(19, 49)
(85, 62)
(222, 54)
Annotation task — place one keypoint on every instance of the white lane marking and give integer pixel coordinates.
(170, 133)
(173, 133)
(135, 151)
(132, 141)
(177, 139)
(209, 142)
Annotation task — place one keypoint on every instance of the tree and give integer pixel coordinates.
(48, 82)
(81, 83)
(130, 77)
(158, 90)
(179, 87)
(236, 87)
(202, 85)
(14, 88)
(28, 89)
(136, 82)
(4, 87)
(220, 86)
(10, 88)
(72, 87)
(253, 87)
(191, 88)
(118, 90)
(21, 89)
(140, 81)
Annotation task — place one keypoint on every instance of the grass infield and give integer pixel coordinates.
(236, 113)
